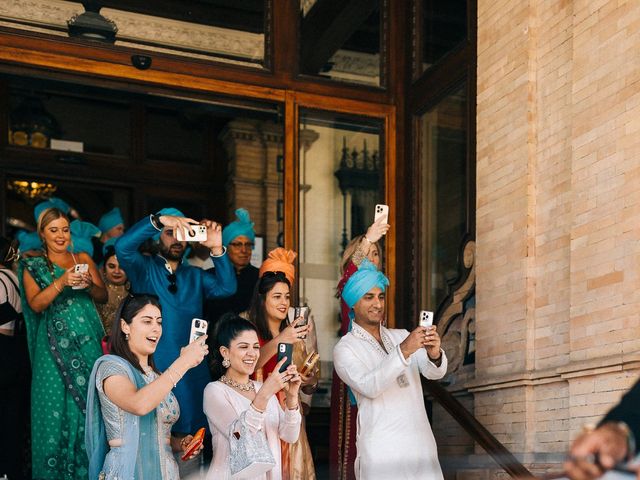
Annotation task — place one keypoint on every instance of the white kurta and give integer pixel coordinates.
(394, 438)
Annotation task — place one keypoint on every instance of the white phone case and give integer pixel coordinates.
(80, 268)
(199, 234)
(425, 318)
(381, 211)
(198, 329)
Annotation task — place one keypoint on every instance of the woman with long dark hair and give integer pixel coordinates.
(130, 407)
(63, 334)
(116, 283)
(269, 311)
(234, 397)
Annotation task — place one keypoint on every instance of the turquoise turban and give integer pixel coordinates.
(28, 241)
(242, 226)
(53, 202)
(109, 244)
(364, 279)
(173, 212)
(81, 233)
(111, 219)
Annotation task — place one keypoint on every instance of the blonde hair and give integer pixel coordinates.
(351, 249)
(45, 218)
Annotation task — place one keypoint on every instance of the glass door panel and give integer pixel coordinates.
(341, 179)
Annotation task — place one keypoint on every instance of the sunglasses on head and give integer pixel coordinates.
(173, 286)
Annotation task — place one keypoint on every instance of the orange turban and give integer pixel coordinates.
(280, 260)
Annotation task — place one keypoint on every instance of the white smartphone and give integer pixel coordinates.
(381, 211)
(199, 234)
(80, 268)
(425, 319)
(198, 329)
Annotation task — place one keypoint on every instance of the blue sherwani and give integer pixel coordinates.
(149, 274)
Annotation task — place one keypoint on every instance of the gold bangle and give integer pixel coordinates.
(55, 285)
(294, 408)
(256, 408)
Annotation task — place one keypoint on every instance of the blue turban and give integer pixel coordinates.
(111, 243)
(174, 212)
(53, 202)
(81, 233)
(28, 241)
(110, 219)
(241, 226)
(364, 279)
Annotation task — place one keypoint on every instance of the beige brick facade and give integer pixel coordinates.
(558, 219)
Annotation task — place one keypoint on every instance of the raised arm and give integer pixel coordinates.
(368, 380)
(130, 259)
(221, 280)
(125, 395)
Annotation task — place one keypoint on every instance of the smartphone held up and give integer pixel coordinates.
(198, 329)
(80, 268)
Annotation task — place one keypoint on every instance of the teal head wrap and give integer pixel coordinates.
(81, 233)
(110, 219)
(364, 279)
(53, 202)
(28, 241)
(173, 212)
(242, 226)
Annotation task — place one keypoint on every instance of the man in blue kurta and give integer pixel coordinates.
(182, 290)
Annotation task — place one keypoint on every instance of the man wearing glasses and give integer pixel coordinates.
(181, 289)
(239, 237)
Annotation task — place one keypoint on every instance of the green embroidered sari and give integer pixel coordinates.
(64, 343)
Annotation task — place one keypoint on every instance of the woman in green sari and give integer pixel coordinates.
(64, 332)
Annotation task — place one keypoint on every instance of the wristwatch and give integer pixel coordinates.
(155, 221)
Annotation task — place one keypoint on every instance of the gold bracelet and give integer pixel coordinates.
(256, 408)
(294, 408)
(55, 285)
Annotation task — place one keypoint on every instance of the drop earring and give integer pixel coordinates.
(226, 363)
(126, 337)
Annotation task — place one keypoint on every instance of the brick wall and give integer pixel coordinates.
(558, 218)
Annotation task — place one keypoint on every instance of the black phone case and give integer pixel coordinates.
(285, 350)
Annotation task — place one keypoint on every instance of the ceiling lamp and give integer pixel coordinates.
(90, 25)
(32, 191)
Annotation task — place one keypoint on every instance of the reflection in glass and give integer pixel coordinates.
(341, 42)
(443, 27)
(332, 147)
(443, 160)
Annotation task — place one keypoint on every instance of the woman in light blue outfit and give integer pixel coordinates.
(130, 406)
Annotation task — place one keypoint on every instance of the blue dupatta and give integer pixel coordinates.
(140, 434)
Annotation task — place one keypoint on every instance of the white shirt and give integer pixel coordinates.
(394, 438)
(223, 405)
(9, 293)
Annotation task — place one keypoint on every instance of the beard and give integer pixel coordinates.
(171, 253)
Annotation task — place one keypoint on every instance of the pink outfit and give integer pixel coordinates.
(223, 405)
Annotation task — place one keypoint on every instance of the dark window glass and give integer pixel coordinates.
(443, 159)
(442, 27)
(341, 42)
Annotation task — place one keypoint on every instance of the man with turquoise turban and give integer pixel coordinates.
(239, 237)
(181, 289)
(111, 225)
(382, 367)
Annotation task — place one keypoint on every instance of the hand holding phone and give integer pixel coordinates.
(425, 318)
(381, 212)
(198, 233)
(80, 268)
(303, 313)
(198, 329)
(285, 350)
(194, 445)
